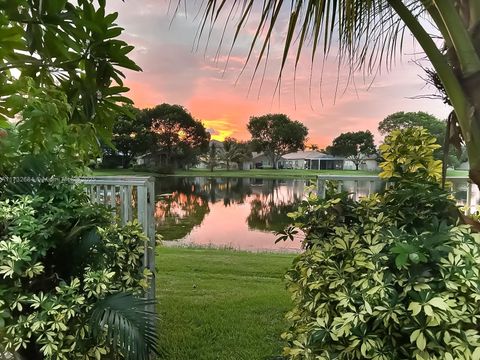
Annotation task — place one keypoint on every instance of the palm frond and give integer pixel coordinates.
(365, 33)
(129, 327)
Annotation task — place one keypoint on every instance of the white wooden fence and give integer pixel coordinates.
(129, 197)
(471, 202)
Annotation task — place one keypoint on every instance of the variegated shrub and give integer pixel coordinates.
(65, 274)
(392, 276)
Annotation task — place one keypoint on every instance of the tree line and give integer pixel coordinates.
(172, 136)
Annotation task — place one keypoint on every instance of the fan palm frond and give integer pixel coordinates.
(129, 327)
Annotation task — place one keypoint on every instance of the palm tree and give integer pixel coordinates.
(369, 34)
(230, 150)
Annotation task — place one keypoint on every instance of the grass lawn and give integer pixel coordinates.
(260, 173)
(221, 304)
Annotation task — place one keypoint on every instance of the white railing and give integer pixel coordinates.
(129, 197)
(470, 204)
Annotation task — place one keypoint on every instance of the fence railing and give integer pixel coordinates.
(129, 197)
(373, 182)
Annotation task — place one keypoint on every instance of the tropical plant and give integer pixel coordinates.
(391, 276)
(229, 151)
(369, 34)
(355, 146)
(211, 159)
(235, 151)
(72, 281)
(276, 135)
(66, 47)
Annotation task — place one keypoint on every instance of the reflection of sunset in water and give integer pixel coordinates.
(178, 205)
(238, 213)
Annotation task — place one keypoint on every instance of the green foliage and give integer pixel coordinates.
(70, 45)
(235, 151)
(131, 137)
(276, 135)
(44, 134)
(356, 146)
(212, 157)
(434, 126)
(391, 276)
(403, 120)
(408, 154)
(176, 133)
(129, 326)
(61, 260)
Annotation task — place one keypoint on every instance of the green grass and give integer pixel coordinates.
(271, 173)
(121, 172)
(260, 173)
(221, 304)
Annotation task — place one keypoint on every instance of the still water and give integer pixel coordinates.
(240, 213)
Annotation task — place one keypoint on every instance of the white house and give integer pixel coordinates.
(314, 160)
(370, 163)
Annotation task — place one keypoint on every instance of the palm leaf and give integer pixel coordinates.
(365, 33)
(129, 327)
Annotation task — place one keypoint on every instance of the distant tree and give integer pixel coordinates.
(130, 136)
(403, 120)
(277, 135)
(355, 146)
(212, 157)
(235, 151)
(243, 153)
(313, 147)
(435, 126)
(176, 133)
(229, 150)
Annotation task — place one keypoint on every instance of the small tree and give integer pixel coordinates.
(243, 153)
(211, 158)
(276, 135)
(229, 150)
(355, 146)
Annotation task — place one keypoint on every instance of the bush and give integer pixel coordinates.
(392, 276)
(71, 280)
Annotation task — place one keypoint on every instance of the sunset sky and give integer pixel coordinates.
(178, 72)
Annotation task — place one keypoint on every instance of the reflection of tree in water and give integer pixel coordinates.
(230, 190)
(183, 203)
(178, 213)
(268, 210)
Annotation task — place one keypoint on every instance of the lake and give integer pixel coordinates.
(240, 213)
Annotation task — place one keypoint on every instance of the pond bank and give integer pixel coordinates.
(255, 173)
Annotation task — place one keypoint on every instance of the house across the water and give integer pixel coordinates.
(314, 160)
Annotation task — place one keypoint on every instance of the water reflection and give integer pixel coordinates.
(244, 213)
(232, 212)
